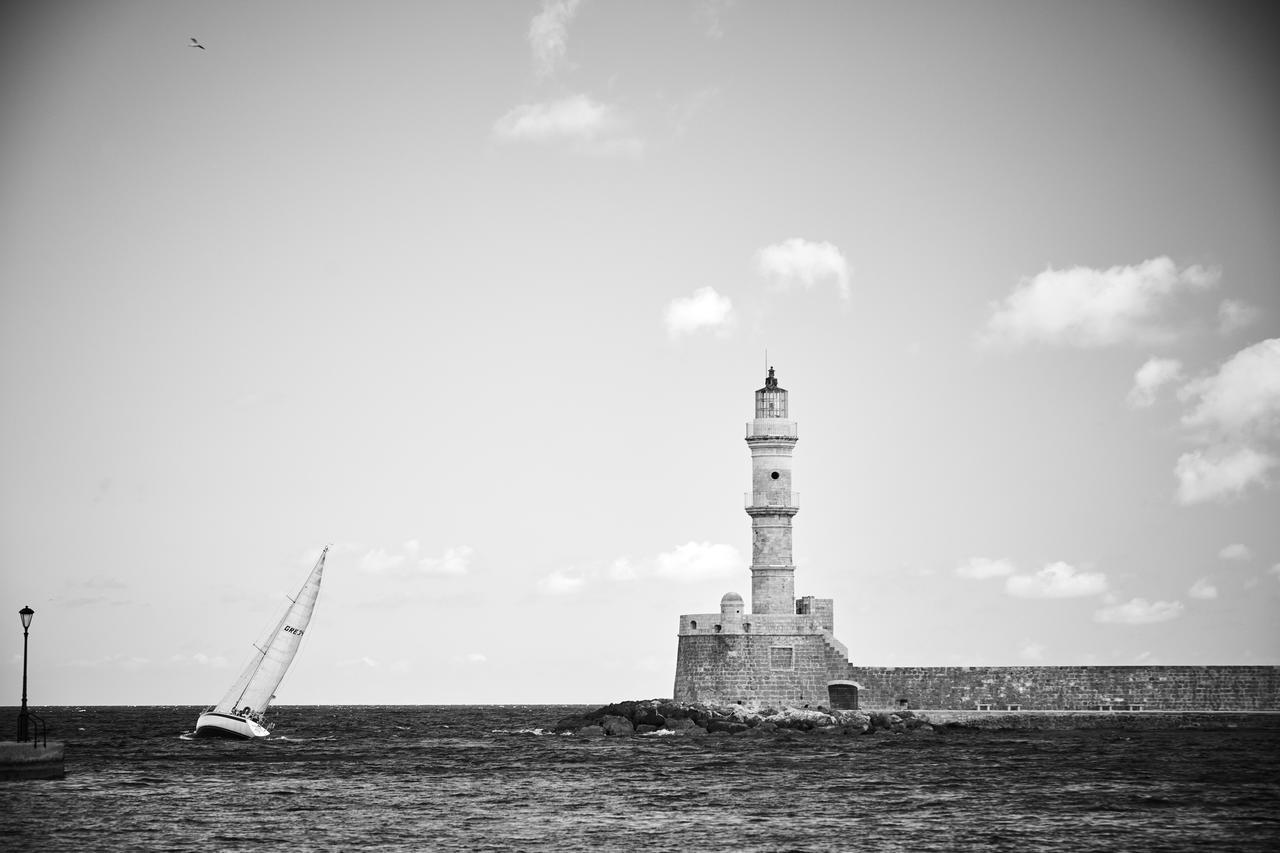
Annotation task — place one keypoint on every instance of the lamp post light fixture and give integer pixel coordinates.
(26, 613)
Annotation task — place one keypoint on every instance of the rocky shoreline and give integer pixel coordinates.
(656, 717)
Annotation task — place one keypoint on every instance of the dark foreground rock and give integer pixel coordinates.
(659, 717)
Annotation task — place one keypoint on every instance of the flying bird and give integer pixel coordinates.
(195, 43)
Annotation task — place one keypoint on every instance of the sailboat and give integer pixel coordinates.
(239, 713)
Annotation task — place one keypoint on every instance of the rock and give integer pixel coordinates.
(699, 719)
(701, 714)
(573, 722)
(670, 710)
(800, 719)
(640, 712)
(591, 731)
(619, 709)
(852, 720)
(616, 725)
(679, 725)
(727, 726)
(880, 719)
(648, 717)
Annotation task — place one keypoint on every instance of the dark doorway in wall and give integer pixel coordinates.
(842, 695)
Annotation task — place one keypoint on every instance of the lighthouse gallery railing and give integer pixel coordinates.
(789, 500)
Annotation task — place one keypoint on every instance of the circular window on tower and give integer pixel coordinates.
(774, 475)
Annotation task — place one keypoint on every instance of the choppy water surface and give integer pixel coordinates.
(482, 778)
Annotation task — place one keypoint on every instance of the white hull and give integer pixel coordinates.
(213, 724)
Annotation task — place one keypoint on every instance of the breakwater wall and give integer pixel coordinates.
(1084, 688)
(29, 761)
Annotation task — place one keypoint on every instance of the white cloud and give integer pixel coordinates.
(128, 662)
(576, 117)
(1234, 314)
(476, 657)
(1235, 551)
(1139, 611)
(1241, 400)
(623, 570)
(380, 561)
(981, 568)
(705, 309)
(201, 659)
(587, 126)
(561, 582)
(1056, 580)
(549, 35)
(1154, 374)
(688, 563)
(1203, 589)
(1087, 307)
(698, 561)
(1236, 413)
(1219, 473)
(805, 262)
(455, 560)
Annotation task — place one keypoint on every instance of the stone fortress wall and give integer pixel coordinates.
(780, 661)
(1067, 688)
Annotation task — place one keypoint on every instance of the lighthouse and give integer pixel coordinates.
(771, 503)
(783, 651)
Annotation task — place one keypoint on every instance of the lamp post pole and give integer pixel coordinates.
(26, 613)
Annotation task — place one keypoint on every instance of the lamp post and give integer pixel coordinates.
(26, 613)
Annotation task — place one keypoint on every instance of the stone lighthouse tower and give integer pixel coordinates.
(783, 652)
(771, 503)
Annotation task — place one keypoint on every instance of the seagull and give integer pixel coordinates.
(195, 43)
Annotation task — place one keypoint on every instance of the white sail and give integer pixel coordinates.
(256, 686)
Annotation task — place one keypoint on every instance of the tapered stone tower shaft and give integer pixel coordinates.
(771, 503)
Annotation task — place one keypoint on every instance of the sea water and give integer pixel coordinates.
(498, 778)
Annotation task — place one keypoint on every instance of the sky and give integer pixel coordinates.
(479, 293)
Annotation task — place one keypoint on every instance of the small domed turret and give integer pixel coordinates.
(731, 606)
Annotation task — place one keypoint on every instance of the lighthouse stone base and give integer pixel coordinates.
(777, 660)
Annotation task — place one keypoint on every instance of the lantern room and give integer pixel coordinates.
(771, 401)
